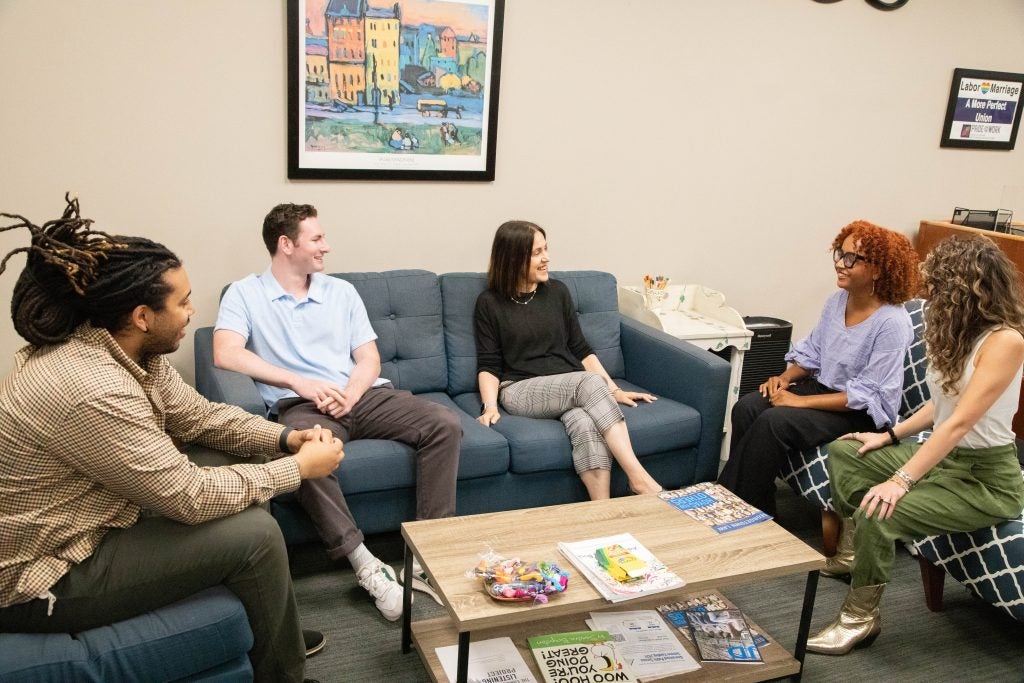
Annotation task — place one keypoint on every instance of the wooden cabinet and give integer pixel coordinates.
(933, 232)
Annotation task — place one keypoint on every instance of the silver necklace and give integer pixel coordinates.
(523, 303)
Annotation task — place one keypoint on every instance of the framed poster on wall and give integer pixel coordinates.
(393, 90)
(983, 110)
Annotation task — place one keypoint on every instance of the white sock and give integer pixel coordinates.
(360, 557)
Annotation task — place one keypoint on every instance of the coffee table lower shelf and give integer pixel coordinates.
(433, 633)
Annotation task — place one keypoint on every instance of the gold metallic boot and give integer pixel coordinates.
(841, 563)
(857, 625)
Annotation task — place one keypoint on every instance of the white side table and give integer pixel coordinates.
(698, 315)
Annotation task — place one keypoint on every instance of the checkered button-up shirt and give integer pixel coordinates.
(88, 440)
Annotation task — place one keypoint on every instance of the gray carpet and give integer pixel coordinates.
(968, 641)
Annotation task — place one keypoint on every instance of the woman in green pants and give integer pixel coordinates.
(966, 475)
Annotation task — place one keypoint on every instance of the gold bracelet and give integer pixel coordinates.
(899, 482)
(907, 481)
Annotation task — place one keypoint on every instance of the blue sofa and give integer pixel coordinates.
(205, 637)
(425, 327)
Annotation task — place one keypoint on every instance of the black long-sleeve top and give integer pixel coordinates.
(516, 341)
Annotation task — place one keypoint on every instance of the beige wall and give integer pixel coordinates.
(717, 142)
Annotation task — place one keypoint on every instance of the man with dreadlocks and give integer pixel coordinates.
(306, 339)
(89, 422)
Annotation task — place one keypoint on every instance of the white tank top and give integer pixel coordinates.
(994, 427)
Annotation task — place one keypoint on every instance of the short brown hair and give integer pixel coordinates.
(284, 219)
(510, 256)
(892, 253)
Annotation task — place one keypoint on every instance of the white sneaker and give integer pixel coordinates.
(421, 583)
(379, 581)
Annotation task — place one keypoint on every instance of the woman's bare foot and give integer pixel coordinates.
(646, 485)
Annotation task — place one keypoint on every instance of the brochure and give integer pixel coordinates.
(581, 657)
(645, 642)
(675, 613)
(715, 506)
(655, 579)
(723, 636)
(490, 661)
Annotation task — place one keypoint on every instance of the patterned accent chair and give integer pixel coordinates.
(990, 561)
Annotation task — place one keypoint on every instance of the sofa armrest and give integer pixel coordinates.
(223, 386)
(676, 369)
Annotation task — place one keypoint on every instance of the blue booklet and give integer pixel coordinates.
(715, 506)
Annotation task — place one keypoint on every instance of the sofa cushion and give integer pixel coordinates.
(382, 465)
(404, 307)
(179, 640)
(597, 304)
(458, 295)
(537, 445)
(596, 297)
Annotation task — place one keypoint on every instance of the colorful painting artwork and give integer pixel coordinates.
(403, 90)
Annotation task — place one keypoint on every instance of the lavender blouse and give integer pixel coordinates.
(864, 360)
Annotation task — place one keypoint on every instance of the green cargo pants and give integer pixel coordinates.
(969, 489)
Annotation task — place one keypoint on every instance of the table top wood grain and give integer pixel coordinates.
(450, 548)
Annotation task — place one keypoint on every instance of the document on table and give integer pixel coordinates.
(646, 642)
(496, 659)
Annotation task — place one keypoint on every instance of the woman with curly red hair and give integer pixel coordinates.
(966, 475)
(846, 376)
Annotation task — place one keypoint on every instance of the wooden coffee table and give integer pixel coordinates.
(449, 548)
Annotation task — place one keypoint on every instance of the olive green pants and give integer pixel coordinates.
(969, 489)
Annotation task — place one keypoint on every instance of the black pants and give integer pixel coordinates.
(763, 436)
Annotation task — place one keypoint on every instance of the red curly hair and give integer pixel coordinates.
(890, 252)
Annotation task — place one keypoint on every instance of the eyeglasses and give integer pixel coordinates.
(848, 258)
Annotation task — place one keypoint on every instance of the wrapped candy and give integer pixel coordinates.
(517, 581)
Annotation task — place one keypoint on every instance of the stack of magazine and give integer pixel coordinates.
(716, 628)
(654, 578)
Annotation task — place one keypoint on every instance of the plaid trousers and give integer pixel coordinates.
(582, 402)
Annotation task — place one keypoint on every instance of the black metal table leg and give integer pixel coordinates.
(805, 621)
(407, 603)
(462, 671)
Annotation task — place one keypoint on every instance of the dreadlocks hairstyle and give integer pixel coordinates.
(284, 219)
(971, 286)
(892, 253)
(75, 274)
(510, 256)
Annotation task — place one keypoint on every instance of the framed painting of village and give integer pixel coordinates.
(399, 90)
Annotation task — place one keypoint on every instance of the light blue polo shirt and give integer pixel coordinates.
(313, 337)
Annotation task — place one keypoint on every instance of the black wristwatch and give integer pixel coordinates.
(892, 436)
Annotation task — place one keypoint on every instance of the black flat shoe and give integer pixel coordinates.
(314, 641)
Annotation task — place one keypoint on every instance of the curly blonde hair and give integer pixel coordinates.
(971, 286)
(891, 253)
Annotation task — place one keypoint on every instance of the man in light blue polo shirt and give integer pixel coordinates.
(306, 339)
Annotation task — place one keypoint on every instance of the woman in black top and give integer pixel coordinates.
(533, 357)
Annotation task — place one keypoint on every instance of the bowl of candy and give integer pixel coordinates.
(512, 580)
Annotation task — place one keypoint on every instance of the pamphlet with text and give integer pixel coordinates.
(715, 506)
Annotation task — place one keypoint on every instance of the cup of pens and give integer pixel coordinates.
(655, 291)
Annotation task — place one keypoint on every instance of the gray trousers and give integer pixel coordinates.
(582, 402)
(382, 413)
(157, 562)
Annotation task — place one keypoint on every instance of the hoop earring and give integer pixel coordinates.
(873, 287)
